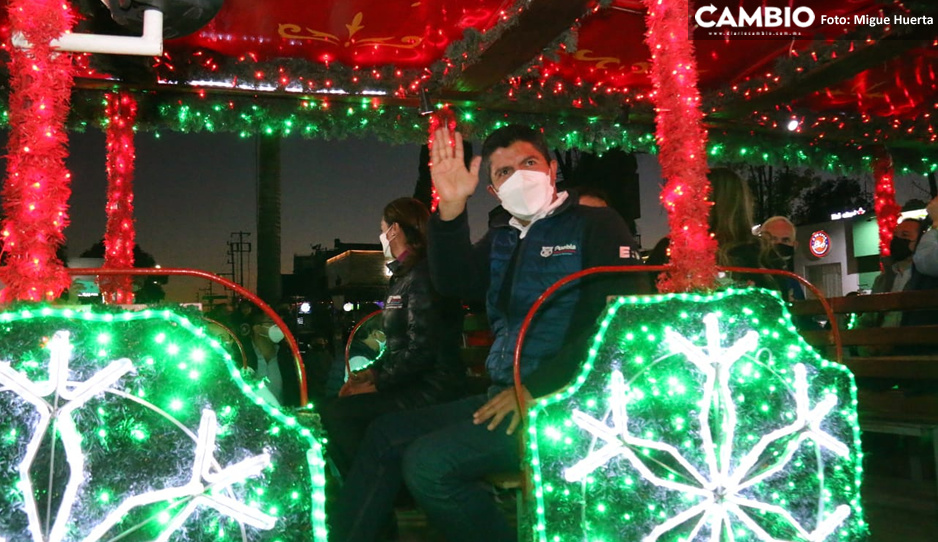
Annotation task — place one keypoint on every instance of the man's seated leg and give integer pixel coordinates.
(366, 500)
(444, 471)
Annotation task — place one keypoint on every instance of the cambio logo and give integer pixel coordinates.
(761, 17)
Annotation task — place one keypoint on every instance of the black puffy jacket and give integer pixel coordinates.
(420, 363)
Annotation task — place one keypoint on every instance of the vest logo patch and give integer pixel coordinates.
(558, 250)
(625, 253)
(394, 302)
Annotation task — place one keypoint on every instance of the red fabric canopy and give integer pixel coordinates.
(364, 33)
(360, 36)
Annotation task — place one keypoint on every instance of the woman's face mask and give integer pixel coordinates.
(526, 193)
(386, 246)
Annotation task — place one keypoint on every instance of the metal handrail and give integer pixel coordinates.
(240, 290)
(234, 337)
(351, 338)
(526, 323)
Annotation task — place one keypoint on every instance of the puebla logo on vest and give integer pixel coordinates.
(394, 302)
(558, 250)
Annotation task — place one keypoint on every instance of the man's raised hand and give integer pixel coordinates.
(454, 183)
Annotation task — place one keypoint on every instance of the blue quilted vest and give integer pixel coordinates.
(552, 249)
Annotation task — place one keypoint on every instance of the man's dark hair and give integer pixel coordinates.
(505, 137)
(593, 191)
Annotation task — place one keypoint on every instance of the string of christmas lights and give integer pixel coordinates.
(35, 194)
(682, 147)
(884, 200)
(119, 235)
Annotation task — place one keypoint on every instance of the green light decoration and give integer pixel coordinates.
(137, 426)
(699, 417)
(330, 119)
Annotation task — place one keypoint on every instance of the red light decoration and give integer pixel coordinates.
(682, 142)
(437, 120)
(884, 199)
(35, 194)
(119, 236)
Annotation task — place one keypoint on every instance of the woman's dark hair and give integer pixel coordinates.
(661, 254)
(412, 217)
(731, 216)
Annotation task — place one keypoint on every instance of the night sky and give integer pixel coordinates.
(193, 190)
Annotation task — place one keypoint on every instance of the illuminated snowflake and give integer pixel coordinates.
(67, 396)
(201, 489)
(58, 397)
(717, 490)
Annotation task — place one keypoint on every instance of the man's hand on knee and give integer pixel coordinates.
(500, 406)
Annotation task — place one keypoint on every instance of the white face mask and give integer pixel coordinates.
(526, 193)
(386, 246)
(274, 334)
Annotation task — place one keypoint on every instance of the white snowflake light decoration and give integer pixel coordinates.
(688, 441)
(196, 492)
(67, 396)
(173, 445)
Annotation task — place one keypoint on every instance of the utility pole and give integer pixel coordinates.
(236, 251)
(231, 261)
(208, 296)
(268, 219)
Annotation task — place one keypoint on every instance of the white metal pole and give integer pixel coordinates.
(149, 44)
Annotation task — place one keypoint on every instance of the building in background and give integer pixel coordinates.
(842, 255)
(356, 278)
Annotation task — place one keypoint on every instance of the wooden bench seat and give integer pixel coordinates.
(896, 367)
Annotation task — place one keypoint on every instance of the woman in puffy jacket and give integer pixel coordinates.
(420, 363)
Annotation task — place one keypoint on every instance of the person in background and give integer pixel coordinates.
(593, 197)
(781, 235)
(894, 277)
(924, 274)
(925, 250)
(731, 225)
(660, 254)
(420, 362)
(270, 360)
(538, 236)
(368, 342)
(897, 270)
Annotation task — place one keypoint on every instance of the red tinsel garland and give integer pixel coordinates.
(884, 199)
(119, 236)
(682, 143)
(35, 194)
(442, 115)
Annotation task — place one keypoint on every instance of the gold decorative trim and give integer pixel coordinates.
(298, 32)
(602, 62)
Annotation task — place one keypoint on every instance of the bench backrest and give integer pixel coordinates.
(885, 352)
